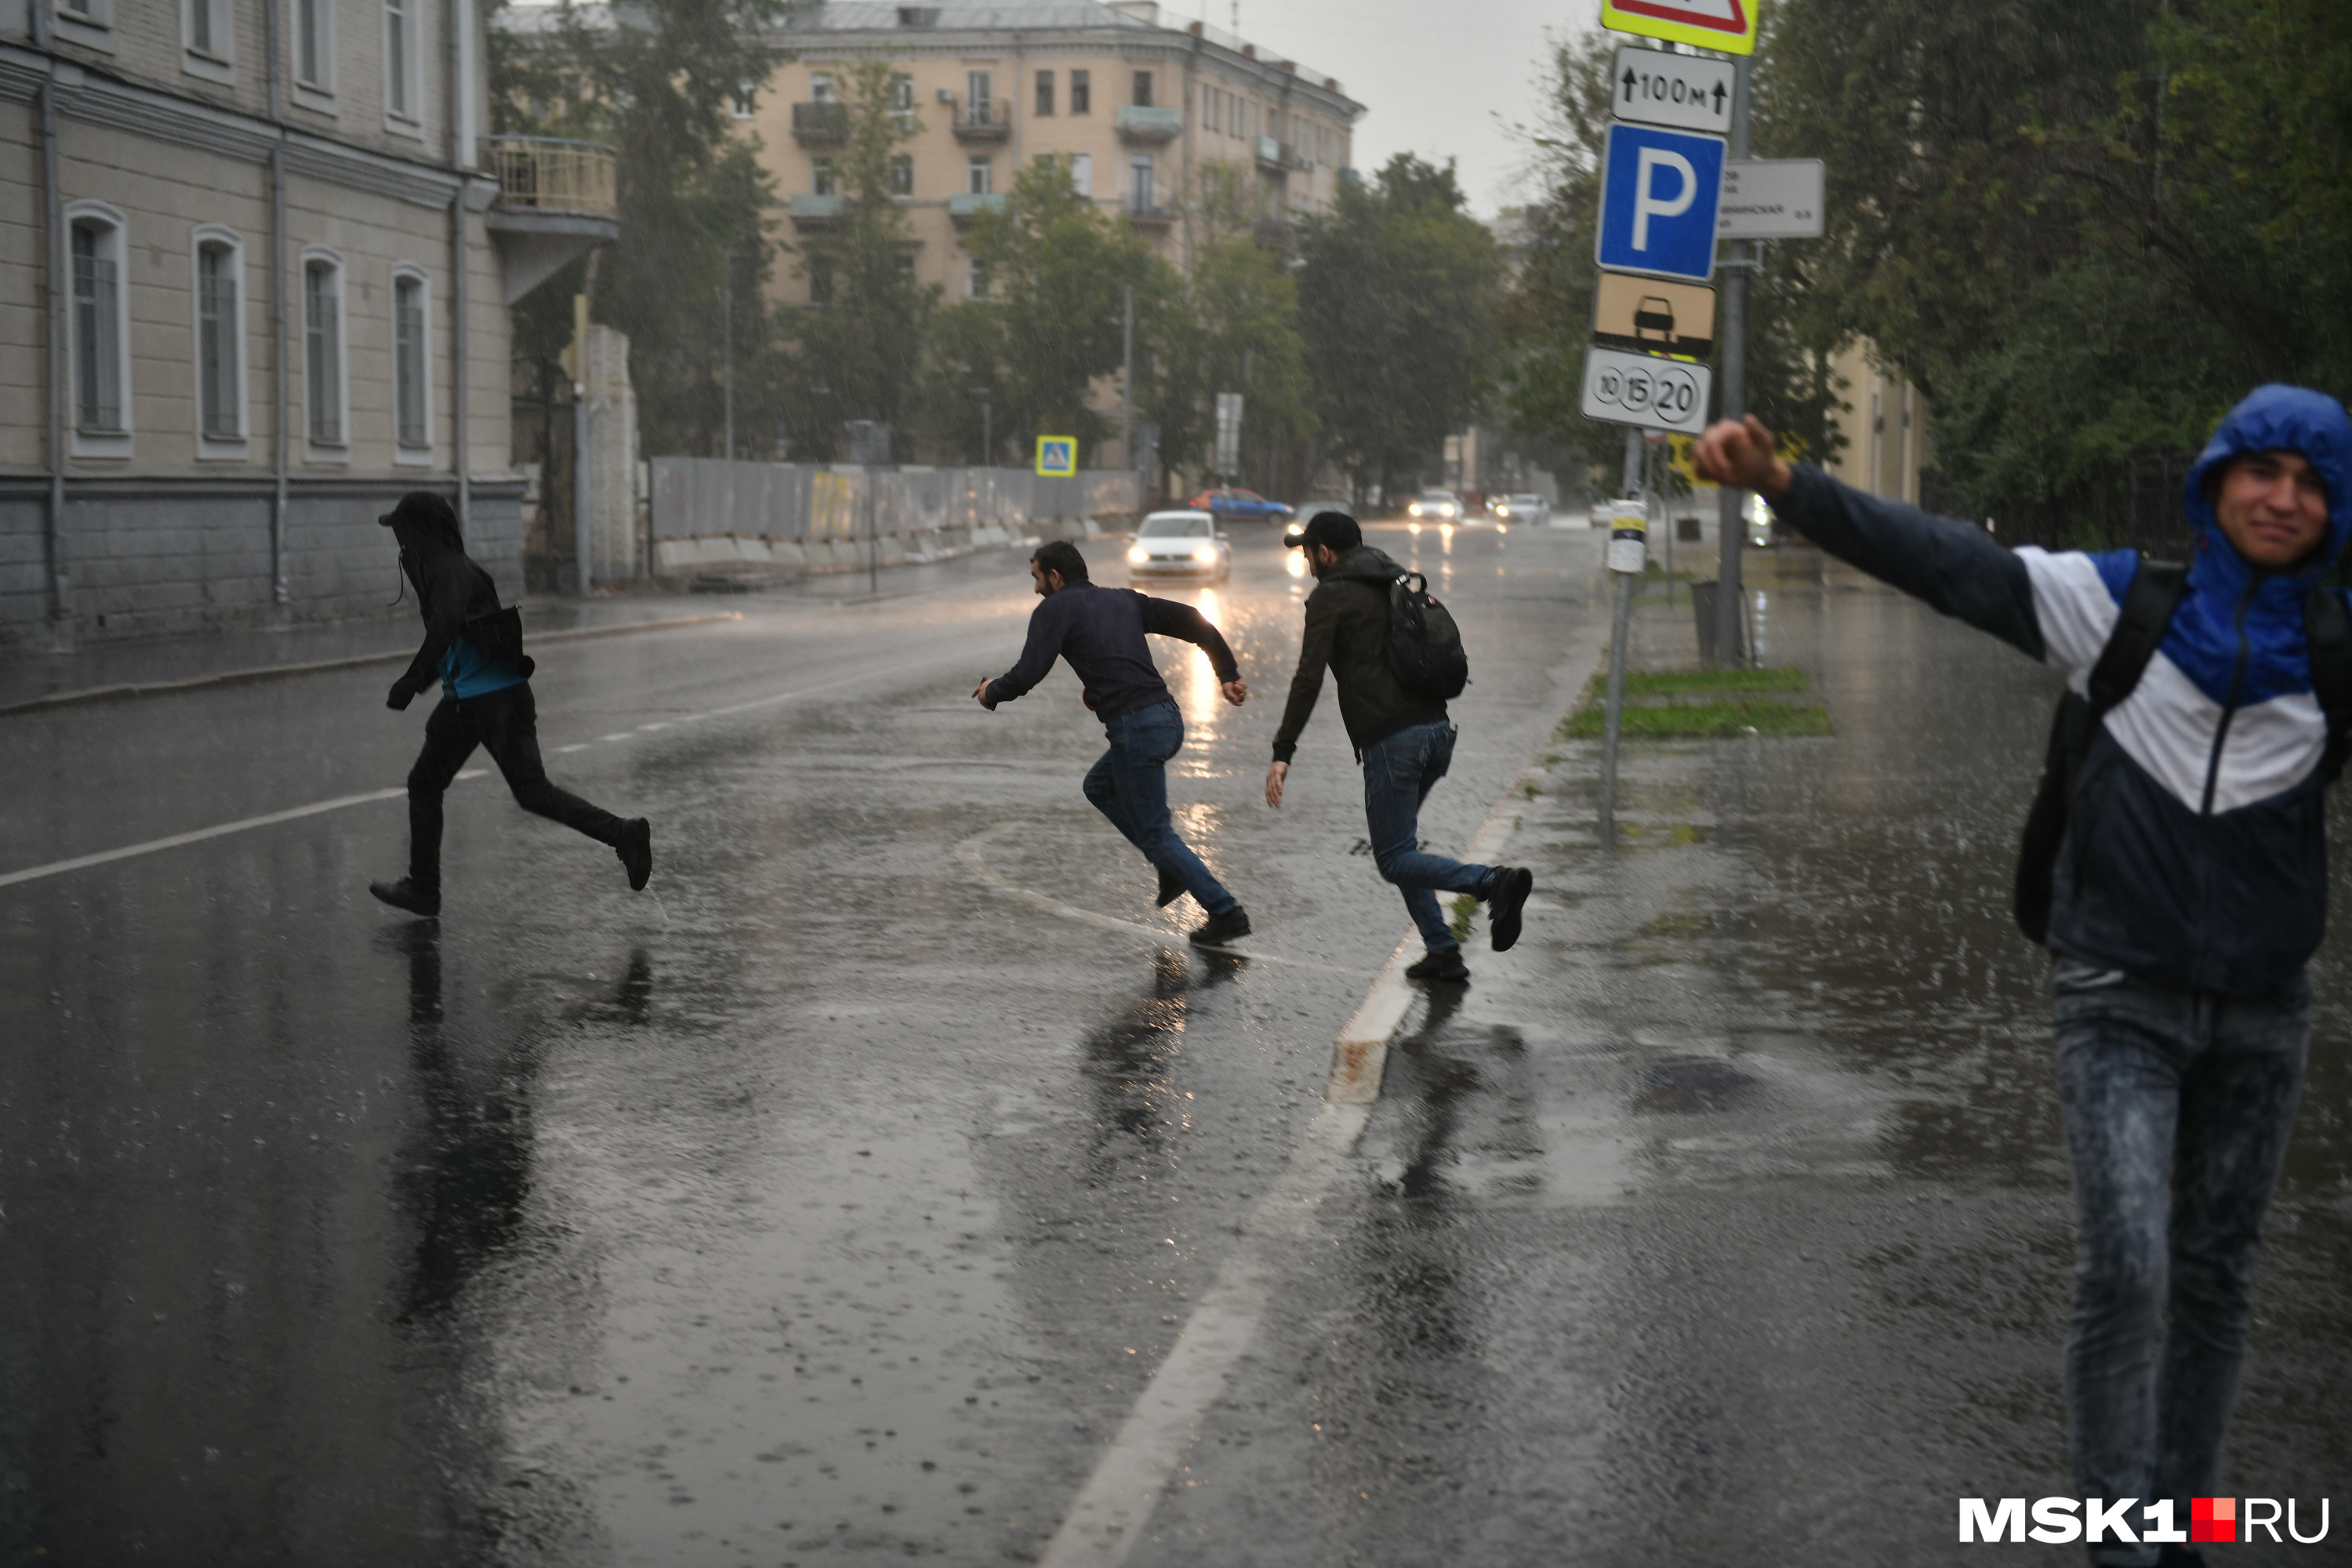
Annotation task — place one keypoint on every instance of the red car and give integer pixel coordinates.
(1247, 505)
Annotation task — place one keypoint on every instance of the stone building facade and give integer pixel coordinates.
(254, 285)
(1138, 108)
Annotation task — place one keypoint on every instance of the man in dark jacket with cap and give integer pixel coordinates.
(2190, 889)
(484, 702)
(1404, 741)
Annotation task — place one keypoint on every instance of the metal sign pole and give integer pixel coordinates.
(1729, 596)
(1627, 556)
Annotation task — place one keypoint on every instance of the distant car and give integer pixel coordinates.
(1526, 508)
(1435, 506)
(1180, 544)
(1246, 506)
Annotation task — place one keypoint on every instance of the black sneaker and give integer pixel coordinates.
(1442, 964)
(1506, 896)
(1218, 930)
(405, 894)
(1171, 890)
(636, 851)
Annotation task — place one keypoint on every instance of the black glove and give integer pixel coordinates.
(403, 694)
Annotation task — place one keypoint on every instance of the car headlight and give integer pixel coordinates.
(1413, 511)
(1138, 556)
(1204, 553)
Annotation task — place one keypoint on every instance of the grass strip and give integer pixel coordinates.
(1707, 720)
(1676, 682)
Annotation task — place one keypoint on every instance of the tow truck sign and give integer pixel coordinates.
(1686, 91)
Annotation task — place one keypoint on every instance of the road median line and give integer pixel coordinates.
(125, 691)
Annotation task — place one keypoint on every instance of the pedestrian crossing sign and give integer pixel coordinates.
(1726, 25)
(1057, 456)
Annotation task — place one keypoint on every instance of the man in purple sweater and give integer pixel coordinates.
(1100, 631)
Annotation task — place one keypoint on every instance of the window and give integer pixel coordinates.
(979, 176)
(208, 31)
(314, 45)
(322, 349)
(220, 344)
(975, 278)
(1081, 92)
(821, 89)
(820, 276)
(977, 109)
(1044, 92)
(905, 261)
(1139, 184)
(1143, 90)
(902, 98)
(1208, 105)
(87, 22)
(412, 365)
(821, 180)
(101, 368)
(400, 83)
(745, 100)
(902, 175)
(1082, 172)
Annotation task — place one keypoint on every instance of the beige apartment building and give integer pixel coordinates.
(1135, 103)
(1885, 423)
(255, 270)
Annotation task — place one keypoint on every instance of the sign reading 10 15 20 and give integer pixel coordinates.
(1639, 389)
(1659, 190)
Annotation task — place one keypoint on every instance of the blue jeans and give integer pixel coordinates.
(2178, 1105)
(1399, 773)
(1129, 785)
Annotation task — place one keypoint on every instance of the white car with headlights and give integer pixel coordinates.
(1180, 544)
(1435, 506)
(1526, 508)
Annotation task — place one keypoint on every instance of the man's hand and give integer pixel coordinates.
(1274, 778)
(1739, 454)
(979, 695)
(400, 696)
(1236, 691)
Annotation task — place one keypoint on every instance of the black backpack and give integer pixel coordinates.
(2156, 592)
(1425, 645)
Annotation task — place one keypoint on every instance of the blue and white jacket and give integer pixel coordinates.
(2196, 852)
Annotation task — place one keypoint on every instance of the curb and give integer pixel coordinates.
(316, 666)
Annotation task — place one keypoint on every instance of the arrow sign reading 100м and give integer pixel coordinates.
(1656, 393)
(1681, 90)
(1658, 195)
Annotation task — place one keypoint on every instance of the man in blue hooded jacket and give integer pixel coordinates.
(2189, 890)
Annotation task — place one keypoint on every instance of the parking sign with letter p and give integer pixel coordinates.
(1659, 193)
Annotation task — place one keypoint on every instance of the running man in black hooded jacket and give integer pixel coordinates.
(484, 702)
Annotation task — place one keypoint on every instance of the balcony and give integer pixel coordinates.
(557, 200)
(810, 211)
(1149, 217)
(964, 209)
(820, 124)
(1269, 152)
(989, 121)
(1139, 123)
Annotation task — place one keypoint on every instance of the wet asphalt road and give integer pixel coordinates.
(821, 1201)
(825, 1203)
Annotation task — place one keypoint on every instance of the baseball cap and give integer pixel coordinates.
(1331, 530)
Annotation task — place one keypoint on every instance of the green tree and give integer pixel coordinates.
(858, 355)
(1053, 327)
(655, 81)
(1398, 307)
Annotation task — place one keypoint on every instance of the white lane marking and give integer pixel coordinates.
(54, 867)
(575, 746)
(1108, 1515)
(624, 735)
(969, 853)
(656, 724)
(58, 867)
(1107, 1519)
(474, 773)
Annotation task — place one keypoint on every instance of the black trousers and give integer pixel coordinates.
(506, 724)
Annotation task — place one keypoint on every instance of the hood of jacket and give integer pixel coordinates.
(1362, 564)
(2229, 600)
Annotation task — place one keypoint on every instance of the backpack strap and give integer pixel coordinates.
(2327, 634)
(2149, 604)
